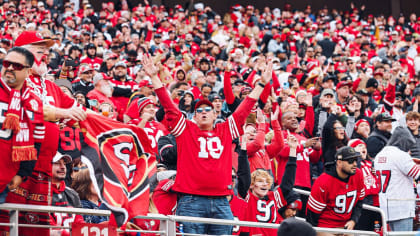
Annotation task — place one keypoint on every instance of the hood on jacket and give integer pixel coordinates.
(402, 139)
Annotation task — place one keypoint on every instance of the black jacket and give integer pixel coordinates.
(376, 141)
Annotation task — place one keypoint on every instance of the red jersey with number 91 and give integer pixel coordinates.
(334, 199)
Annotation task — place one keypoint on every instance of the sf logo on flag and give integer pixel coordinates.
(123, 160)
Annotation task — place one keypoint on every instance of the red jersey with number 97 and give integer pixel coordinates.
(334, 199)
(204, 164)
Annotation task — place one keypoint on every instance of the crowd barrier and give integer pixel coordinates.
(167, 223)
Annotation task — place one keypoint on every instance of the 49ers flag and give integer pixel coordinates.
(117, 157)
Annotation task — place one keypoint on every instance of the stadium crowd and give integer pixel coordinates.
(239, 109)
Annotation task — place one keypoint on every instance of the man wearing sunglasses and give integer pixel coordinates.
(56, 106)
(336, 196)
(21, 125)
(204, 150)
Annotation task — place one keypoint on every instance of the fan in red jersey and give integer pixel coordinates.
(21, 121)
(336, 197)
(204, 153)
(57, 105)
(263, 205)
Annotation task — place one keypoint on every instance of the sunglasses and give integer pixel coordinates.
(351, 161)
(16, 65)
(88, 72)
(339, 128)
(206, 109)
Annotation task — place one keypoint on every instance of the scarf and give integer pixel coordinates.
(18, 121)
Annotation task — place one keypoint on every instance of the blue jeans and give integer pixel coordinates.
(207, 207)
(3, 195)
(401, 225)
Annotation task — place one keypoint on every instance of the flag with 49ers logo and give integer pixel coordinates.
(117, 157)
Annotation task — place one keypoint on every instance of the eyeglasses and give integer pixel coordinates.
(16, 65)
(339, 128)
(206, 109)
(233, 176)
(351, 161)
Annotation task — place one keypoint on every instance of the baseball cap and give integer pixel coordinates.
(85, 67)
(64, 82)
(58, 157)
(328, 77)
(203, 102)
(100, 76)
(213, 97)
(362, 92)
(343, 83)
(384, 117)
(239, 82)
(346, 153)
(120, 63)
(110, 56)
(372, 83)
(326, 92)
(32, 37)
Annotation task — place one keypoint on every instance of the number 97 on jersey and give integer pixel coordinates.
(84, 229)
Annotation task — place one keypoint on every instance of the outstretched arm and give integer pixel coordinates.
(288, 179)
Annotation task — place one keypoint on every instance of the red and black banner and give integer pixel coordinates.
(117, 156)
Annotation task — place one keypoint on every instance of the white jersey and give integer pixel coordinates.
(397, 171)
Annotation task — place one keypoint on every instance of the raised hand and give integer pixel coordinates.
(260, 117)
(266, 75)
(149, 67)
(292, 141)
(275, 114)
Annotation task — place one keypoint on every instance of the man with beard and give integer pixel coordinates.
(308, 152)
(336, 197)
(102, 91)
(91, 57)
(19, 152)
(63, 196)
(123, 88)
(57, 106)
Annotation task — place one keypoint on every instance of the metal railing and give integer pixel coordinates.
(366, 207)
(167, 224)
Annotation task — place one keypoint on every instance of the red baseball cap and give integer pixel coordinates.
(203, 102)
(343, 83)
(85, 67)
(32, 37)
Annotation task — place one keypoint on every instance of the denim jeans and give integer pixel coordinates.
(401, 225)
(3, 195)
(207, 207)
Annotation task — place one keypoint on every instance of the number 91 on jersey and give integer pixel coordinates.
(84, 229)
